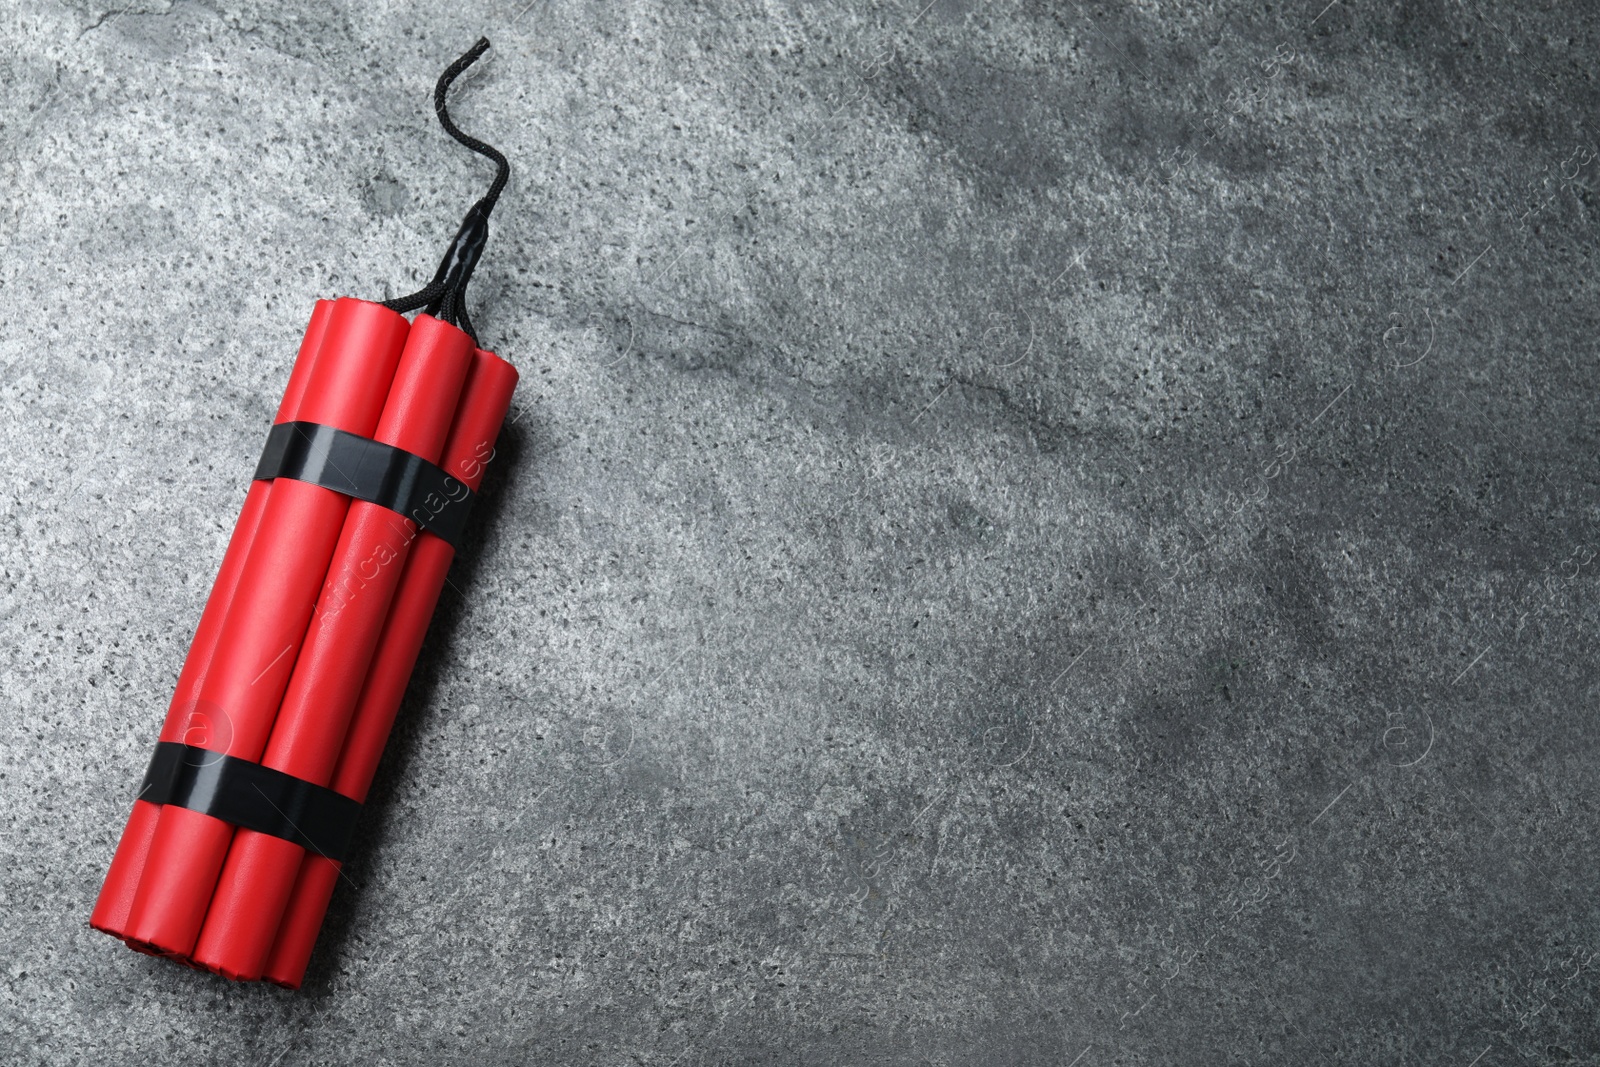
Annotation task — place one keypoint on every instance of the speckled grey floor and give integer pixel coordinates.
(1040, 534)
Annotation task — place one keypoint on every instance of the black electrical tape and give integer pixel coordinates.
(252, 796)
(368, 470)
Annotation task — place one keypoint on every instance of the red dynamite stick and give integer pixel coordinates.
(485, 399)
(266, 622)
(186, 720)
(310, 728)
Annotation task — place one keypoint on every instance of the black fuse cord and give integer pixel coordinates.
(445, 298)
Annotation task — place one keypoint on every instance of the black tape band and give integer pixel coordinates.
(252, 796)
(368, 470)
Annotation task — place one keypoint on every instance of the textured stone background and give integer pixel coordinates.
(1033, 533)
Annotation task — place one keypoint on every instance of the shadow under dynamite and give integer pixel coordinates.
(518, 443)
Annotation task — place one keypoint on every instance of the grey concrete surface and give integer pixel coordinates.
(1032, 533)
